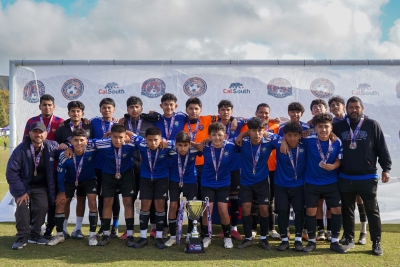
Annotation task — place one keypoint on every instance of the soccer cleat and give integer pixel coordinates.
(328, 235)
(140, 243)
(124, 235)
(264, 244)
(321, 235)
(274, 234)
(228, 242)
(338, 248)
(206, 241)
(221, 234)
(283, 246)
(100, 232)
(298, 246)
(40, 240)
(153, 233)
(93, 240)
(165, 232)
(104, 241)
(129, 241)
(19, 244)
(77, 234)
(246, 243)
(311, 246)
(159, 243)
(349, 243)
(362, 240)
(114, 232)
(236, 235)
(376, 248)
(171, 241)
(304, 235)
(55, 240)
(254, 234)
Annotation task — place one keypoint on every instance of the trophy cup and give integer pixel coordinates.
(195, 209)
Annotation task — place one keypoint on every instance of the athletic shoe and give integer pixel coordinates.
(321, 235)
(298, 246)
(104, 241)
(124, 235)
(274, 234)
(342, 240)
(100, 232)
(140, 243)
(55, 240)
(206, 241)
(114, 232)
(283, 246)
(171, 241)
(66, 235)
(304, 235)
(246, 243)
(362, 240)
(264, 244)
(159, 243)
(19, 243)
(129, 241)
(153, 233)
(311, 246)
(40, 240)
(221, 234)
(328, 235)
(236, 235)
(228, 242)
(77, 234)
(254, 234)
(165, 232)
(338, 248)
(349, 243)
(93, 240)
(376, 248)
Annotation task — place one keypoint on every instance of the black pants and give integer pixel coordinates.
(349, 189)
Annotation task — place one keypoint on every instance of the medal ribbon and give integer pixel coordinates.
(193, 134)
(180, 221)
(118, 160)
(321, 153)
(209, 218)
(354, 134)
(168, 130)
(139, 125)
(48, 126)
(216, 167)
(182, 169)
(228, 130)
(103, 125)
(255, 158)
(292, 160)
(79, 168)
(73, 127)
(36, 159)
(152, 166)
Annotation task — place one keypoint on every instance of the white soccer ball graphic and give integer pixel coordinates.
(194, 87)
(72, 90)
(322, 88)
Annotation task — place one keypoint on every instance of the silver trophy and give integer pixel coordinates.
(195, 209)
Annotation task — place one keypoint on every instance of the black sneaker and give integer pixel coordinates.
(246, 243)
(40, 240)
(48, 234)
(140, 243)
(338, 248)
(19, 243)
(283, 246)
(348, 243)
(114, 232)
(66, 235)
(264, 244)
(100, 232)
(298, 246)
(376, 248)
(104, 241)
(311, 246)
(342, 240)
(129, 241)
(159, 243)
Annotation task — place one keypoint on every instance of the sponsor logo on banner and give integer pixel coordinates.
(33, 90)
(153, 88)
(322, 88)
(72, 89)
(111, 89)
(236, 88)
(279, 88)
(364, 89)
(398, 89)
(195, 87)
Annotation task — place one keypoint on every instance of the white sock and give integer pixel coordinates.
(297, 239)
(263, 237)
(285, 239)
(234, 228)
(153, 226)
(78, 225)
(159, 234)
(312, 240)
(65, 226)
(91, 234)
(106, 232)
(333, 240)
(60, 233)
(143, 233)
(173, 237)
(129, 232)
(364, 227)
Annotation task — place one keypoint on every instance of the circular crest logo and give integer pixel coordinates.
(279, 88)
(226, 153)
(33, 90)
(153, 88)
(72, 89)
(195, 87)
(322, 88)
(398, 90)
(201, 127)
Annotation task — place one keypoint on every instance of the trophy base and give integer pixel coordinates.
(195, 245)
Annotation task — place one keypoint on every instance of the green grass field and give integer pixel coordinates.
(117, 254)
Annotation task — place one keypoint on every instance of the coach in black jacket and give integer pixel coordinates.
(363, 145)
(30, 175)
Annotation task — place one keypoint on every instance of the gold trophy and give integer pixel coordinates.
(195, 209)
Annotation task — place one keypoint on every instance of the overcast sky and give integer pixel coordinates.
(206, 29)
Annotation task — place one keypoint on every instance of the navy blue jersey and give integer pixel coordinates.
(190, 174)
(179, 122)
(304, 126)
(209, 177)
(314, 173)
(254, 174)
(100, 127)
(66, 168)
(236, 162)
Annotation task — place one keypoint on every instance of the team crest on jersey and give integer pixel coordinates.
(153, 88)
(201, 127)
(72, 89)
(33, 90)
(89, 158)
(226, 153)
(195, 87)
(161, 156)
(279, 88)
(124, 155)
(322, 88)
(301, 150)
(264, 149)
(192, 158)
(398, 90)
(176, 124)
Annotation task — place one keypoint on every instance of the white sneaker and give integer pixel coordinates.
(93, 240)
(274, 234)
(206, 241)
(165, 232)
(228, 242)
(57, 239)
(171, 241)
(254, 234)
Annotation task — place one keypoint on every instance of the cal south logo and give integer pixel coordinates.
(236, 88)
(398, 90)
(153, 88)
(279, 88)
(195, 87)
(111, 89)
(364, 89)
(33, 90)
(322, 88)
(72, 89)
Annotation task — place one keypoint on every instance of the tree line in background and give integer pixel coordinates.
(4, 108)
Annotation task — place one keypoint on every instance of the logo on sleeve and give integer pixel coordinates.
(322, 88)
(33, 90)
(279, 88)
(195, 87)
(72, 89)
(153, 88)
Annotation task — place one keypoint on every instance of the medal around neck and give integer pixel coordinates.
(195, 209)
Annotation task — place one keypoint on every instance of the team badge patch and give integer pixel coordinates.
(398, 90)
(201, 127)
(195, 87)
(322, 88)
(153, 88)
(72, 89)
(279, 88)
(33, 90)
